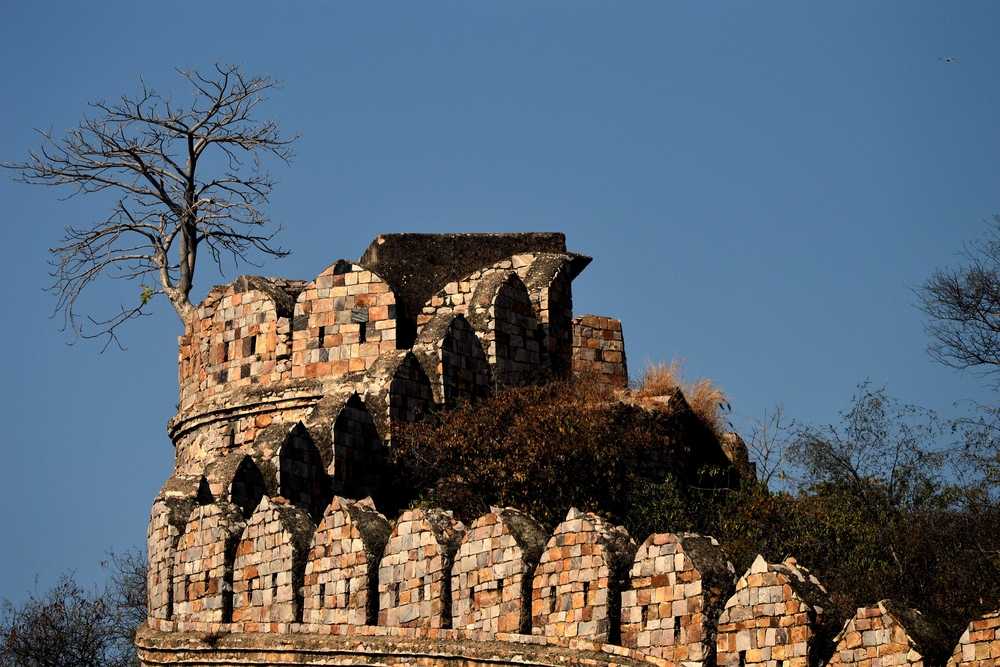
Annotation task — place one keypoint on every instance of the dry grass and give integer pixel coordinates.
(706, 399)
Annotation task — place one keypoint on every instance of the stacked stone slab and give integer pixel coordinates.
(599, 350)
(203, 564)
(679, 586)
(576, 590)
(343, 320)
(414, 573)
(491, 576)
(341, 575)
(270, 559)
(883, 635)
(778, 617)
(979, 645)
(166, 522)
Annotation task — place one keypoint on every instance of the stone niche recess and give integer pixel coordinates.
(679, 586)
(576, 590)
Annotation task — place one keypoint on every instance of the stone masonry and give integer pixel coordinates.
(491, 577)
(679, 586)
(576, 590)
(979, 645)
(599, 350)
(414, 576)
(883, 635)
(341, 576)
(270, 558)
(203, 565)
(774, 619)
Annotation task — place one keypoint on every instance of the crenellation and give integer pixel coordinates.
(679, 586)
(979, 645)
(778, 617)
(415, 571)
(203, 564)
(492, 573)
(884, 634)
(341, 575)
(576, 590)
(270, 563)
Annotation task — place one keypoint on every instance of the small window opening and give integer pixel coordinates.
(552, 599)
(677, 629)
(347, 593)
(586, 592)
(472, 597)
(322, 596)
(322, 335)
(395, 594)
(253, 344)
(274, 582)
(500, 589)
(362, 332)
(225, 352)
(645, 617)
(743, 658)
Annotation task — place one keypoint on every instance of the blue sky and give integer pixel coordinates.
(761, 185)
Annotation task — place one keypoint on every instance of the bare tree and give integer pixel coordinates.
(70, 626)
(187, 179)
(963, 306)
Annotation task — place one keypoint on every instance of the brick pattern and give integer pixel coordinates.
(599, 349)
(768, 621)
(341, 575)
(876, 637)
(491, 576)
(414, 573)
(236, 338)
(979, 645)
(203, 565)
(269, 562)
(343, 320)
(679, 584)
(166, 521)
(577, 586)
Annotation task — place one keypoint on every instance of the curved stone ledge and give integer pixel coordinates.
(205, 644)
(273, 399)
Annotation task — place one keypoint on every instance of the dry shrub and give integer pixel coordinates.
(706, 399)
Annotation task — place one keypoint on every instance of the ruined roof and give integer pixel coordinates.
(418, 265)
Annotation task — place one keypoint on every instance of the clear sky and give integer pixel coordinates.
(761, 185)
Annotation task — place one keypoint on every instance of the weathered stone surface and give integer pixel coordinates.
(679, 586)
(491, 576)
(341, 576)
(166, 522)
(599, 350)
(269, 565)
(415, 570)
(777, 618)
(576, 590)
(883, 635)
(979, 645)
(203, 564)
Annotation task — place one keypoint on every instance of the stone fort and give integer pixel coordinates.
(266, 548)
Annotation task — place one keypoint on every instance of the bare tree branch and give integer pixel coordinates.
(963, 307)
(150, 153)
